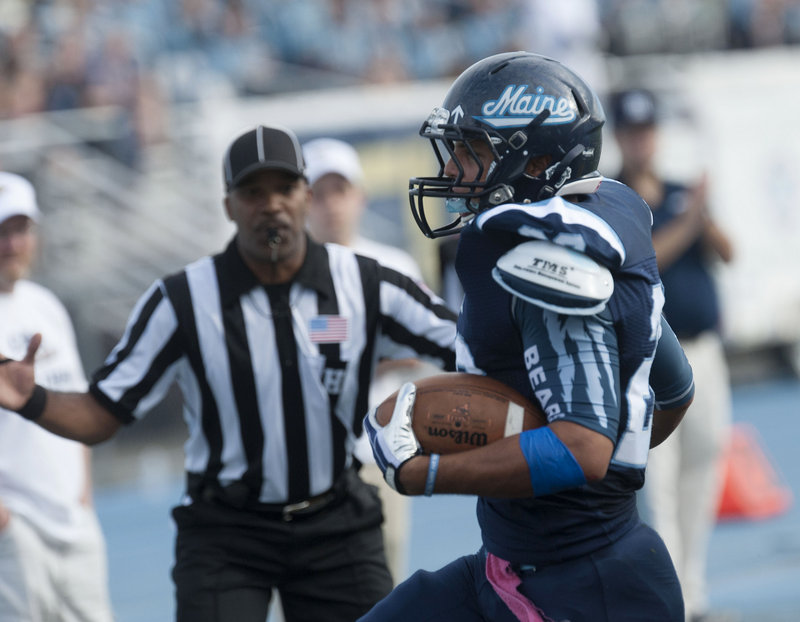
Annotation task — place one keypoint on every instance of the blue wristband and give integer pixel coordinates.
(433, 467)
(551, 465)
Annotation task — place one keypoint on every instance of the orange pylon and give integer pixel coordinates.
(751, 488)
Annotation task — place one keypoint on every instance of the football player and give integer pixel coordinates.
(563, 303)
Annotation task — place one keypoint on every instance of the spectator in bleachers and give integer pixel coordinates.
(65, 77)
(113, 81)
(389, 40)
(21, 88)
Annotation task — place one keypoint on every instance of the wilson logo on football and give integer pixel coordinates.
(460, 437)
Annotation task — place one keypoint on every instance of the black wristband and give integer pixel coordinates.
(34, 407)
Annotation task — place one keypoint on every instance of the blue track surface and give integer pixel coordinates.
(754, 567)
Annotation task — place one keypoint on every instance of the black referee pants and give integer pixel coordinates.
(329, 566)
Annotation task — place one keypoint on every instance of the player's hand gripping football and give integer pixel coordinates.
(395, 443)
(16, 377)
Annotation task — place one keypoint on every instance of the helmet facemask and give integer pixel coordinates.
(510, 158)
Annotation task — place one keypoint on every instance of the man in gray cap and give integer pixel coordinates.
(52, 551)
(273, 343)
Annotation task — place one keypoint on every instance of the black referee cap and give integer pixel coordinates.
(261, 148)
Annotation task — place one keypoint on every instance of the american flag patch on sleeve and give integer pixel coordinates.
(328, 329)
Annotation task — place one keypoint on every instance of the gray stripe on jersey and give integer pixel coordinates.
(583, 362)
(570, 214)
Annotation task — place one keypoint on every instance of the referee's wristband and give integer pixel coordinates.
(34, 407)
(433, 468)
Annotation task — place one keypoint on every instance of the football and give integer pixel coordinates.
(457, 411)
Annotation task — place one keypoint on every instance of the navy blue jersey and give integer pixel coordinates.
(691, 305)
(591, 370)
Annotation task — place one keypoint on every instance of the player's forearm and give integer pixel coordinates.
(503, 469)
(665, 422)
(77, 416)
(495, 470)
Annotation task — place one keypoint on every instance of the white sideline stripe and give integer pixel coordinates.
(514, 419)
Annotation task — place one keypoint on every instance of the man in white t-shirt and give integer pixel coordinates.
(52, 550)
(334, 172)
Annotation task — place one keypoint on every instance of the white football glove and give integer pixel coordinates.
(394, 443)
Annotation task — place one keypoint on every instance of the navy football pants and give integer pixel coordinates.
(629, 581)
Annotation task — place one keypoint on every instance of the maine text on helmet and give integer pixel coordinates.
(516, 107)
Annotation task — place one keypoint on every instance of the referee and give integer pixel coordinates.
(273, 344)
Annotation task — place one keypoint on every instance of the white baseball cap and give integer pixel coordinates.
(17, 198)
(329, 155)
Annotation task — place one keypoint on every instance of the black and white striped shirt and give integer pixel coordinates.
(274, 378)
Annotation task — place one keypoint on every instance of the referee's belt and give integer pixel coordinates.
(237, 495)
(306, 507)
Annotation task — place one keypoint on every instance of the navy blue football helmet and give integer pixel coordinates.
(522, 105)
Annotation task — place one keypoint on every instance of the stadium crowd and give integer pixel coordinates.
(61, 54)
(131, 59)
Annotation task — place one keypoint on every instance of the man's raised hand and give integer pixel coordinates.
(17, 379)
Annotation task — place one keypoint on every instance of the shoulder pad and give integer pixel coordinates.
(555, 277)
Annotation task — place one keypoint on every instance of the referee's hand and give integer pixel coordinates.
(16, 377)
(394, 443)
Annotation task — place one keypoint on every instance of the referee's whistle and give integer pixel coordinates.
(274, 240)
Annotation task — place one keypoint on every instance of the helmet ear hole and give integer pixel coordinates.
(537, 165)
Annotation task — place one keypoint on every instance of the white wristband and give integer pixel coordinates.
(433, 467)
